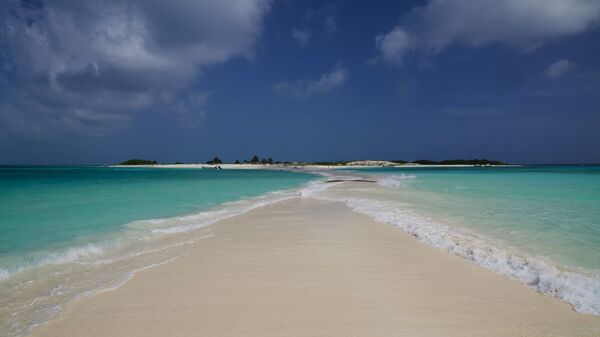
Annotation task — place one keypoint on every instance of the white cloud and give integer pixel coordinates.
(558, 68)
(329, 81)
(87, 66)
(394, 45)
(522, 24)
(302, 36)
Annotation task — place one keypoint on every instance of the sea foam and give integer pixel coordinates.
(228, 210)
(68, 255)
(36, 285)
(395, 180)
(580, 289)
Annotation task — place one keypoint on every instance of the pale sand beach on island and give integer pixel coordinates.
(307, 267)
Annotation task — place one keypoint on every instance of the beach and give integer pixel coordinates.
(264, 168)
(310, 267)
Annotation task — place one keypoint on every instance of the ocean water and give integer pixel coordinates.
(537, 224)
(66, 232)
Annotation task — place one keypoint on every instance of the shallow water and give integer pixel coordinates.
(538, 224)
(67, 232)
(552, 211)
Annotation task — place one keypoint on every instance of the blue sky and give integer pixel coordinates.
(95, 82)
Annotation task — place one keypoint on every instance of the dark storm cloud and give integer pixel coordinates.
(87, 66)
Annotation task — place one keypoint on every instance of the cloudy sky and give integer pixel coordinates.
(93, 82)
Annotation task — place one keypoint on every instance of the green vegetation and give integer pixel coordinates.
(215, 161)
(460, 162)
(237, 161)
(329, 163)
(139, 162)
(426, 162)
(257, 160)
(472, 162)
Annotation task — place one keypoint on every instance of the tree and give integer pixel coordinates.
(270, 161)
(237, 161)
(425, 162)
(215, 161)
(255, 160)
(263, 161)
(139, 162)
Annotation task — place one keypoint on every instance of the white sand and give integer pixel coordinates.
(314, 268)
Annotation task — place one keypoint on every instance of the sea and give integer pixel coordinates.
(67, 232)
(539, 225)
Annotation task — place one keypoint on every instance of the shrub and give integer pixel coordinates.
(139, 162)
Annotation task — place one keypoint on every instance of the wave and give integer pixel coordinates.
(395, 180)
(4, 274)
(80, 271)
(576, 287)
(145, 229)
(235, 208)
(580, 290)
(75, 253)
(68, 255)
(315, 187)
(210, 217)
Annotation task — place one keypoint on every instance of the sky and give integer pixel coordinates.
(99, 82)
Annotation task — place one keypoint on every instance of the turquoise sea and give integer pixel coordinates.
(67, 232)
(538, 224)
(545, 210)
(102, 223)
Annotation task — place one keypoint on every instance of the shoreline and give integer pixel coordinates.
(35, 295)
(574, 285)
(296, 167)
(307, 258)
(319, 190)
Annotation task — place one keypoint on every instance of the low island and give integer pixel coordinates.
(257, 162)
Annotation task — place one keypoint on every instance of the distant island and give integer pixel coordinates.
(139, 162)
(475, 162)
(269, 161)
(460, 162)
